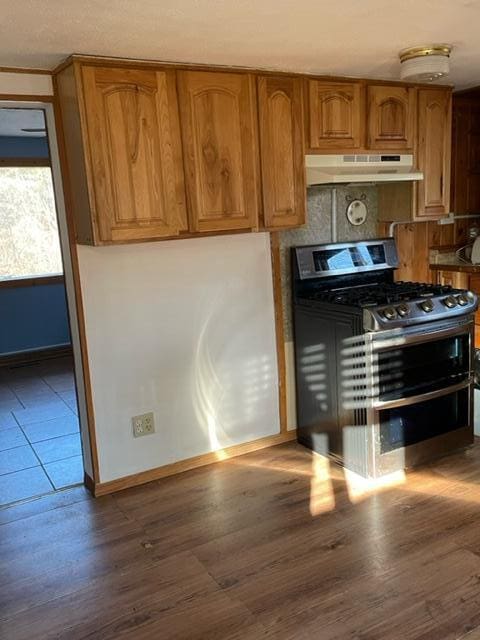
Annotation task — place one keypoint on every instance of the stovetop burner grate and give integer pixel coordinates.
(379, 294)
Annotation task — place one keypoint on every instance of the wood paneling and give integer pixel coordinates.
(282, 151)
(414, 241)
(275, 545)
(134, 148)
(391, 117)
(219, 128)
(74, 166)
(466, 156)
(336, 112)
(434, 144)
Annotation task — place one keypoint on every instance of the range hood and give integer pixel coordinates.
(352, 168)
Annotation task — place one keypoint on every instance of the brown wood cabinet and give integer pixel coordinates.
(336, 114)
(465, 188)
(219, 127)
(391, 117)
(123, 152)
(433, 155)
(455, 279)
(282, 151)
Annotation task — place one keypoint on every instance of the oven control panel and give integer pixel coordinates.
(456, 303)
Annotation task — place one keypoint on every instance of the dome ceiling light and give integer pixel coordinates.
(426, 63)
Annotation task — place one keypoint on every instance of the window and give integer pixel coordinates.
(29, 239)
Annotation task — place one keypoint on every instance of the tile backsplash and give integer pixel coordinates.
(319, 230)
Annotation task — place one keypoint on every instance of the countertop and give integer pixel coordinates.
(441, 260)
(455, 266)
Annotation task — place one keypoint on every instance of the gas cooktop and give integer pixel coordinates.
(373, 294)
(360, 276)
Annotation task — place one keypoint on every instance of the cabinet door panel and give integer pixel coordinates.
(336, 113)
(221, 155)
(434, 141)
(391, 112)
(282, 151)
(136, 168)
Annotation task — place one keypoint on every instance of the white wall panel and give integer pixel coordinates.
(185, 329)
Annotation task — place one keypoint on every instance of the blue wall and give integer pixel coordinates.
(33, 318)
(18, 147)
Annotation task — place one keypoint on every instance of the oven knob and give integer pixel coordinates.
(462, 299)
(389, 313)
(427, 306)
(403, 310)
(450, 302)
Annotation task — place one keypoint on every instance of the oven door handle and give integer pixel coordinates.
(379, 405)
(394, 342)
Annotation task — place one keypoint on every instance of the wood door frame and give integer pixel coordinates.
(71, 267)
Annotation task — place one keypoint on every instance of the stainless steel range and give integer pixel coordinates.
(383, 369)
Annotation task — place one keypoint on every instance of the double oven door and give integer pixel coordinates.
(422, 385)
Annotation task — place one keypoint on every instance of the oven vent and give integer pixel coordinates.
(364, 158)
(360, 168)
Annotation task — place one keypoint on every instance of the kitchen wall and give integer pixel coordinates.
(23, 147)
(185, 329)
(319, 230)
(33, 318)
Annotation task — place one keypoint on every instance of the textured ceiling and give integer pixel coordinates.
(348, 37)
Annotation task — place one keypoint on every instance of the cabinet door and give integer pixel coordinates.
(282, 151)
(134, 153)
(434, 141)
(220, 146)
(336, 115)
(391, 117)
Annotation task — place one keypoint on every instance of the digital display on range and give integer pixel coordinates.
(349, 257)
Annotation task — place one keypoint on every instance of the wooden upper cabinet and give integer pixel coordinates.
(391, 117)
(132, 152)
(219, 127)
(282, 151)
(336, 115)
(434, 142)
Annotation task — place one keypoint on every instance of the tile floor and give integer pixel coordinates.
(40, 449)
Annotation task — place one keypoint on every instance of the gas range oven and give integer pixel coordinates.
(384, 375)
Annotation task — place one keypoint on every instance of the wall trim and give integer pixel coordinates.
(43, 353)
(145, 63)
(126, 482)
(279, 332)
(44, 72)
(23, 97)
(31, 281)
(89, 483)
(24, 162)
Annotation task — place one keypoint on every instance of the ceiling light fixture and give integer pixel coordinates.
(426, 63)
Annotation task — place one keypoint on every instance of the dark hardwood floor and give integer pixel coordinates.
(273, 545)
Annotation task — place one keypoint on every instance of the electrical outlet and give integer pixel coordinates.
(143, 425)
